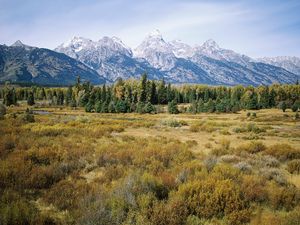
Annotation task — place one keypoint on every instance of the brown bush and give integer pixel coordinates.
(66, 194)
(283, 152)
(173, 212)
(294, 166)
(252, 147)
(254, 188)
(286, 197)
(212, 198)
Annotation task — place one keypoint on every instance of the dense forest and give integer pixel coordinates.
(145, 96)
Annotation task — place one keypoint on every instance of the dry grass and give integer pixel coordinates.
(67, 157)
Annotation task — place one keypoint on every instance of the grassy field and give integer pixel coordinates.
(73, 167)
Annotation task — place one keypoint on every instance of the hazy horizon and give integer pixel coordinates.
(254, 28)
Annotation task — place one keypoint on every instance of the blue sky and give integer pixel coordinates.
(252, 27)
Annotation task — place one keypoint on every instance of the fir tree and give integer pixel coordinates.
(162, 93)
(153, 94)
(30, 100)
(172, 107)
(143, 88)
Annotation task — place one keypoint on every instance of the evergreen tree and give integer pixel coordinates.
(200, 106)
(89, 107)
(149, 108)
(69, 95)
(30, 100)
(153, 94)
(272, 97)
(264, 99)
(121, 106)
(111, 108)
(253, 103)
(143, 88)
(283, 106)
(295, 107)
(42, 94)
(105, 108)
(98, 106)
(210, 106)
(103, 94)
(84, 99)
(140, 107)
(193, 107)
(162, 93)
(60, 98)
(172, 107)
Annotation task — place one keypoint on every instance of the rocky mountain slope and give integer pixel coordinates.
(174, 61)
(25, 64)
(290, 63)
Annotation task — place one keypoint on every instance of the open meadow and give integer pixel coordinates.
(63, 166)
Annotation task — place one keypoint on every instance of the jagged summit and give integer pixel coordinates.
(155, 33)
(17, 43)
(175, 61)
(210, 44)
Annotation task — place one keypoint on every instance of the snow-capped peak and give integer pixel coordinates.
(290, 63)
(181, 50)
(210, 45)
(155, 33)
(18, 43)
(156, 51)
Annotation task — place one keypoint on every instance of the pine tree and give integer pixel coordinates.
(162, 93)
(140, 107)
(193, 107)
(111, 108)
(104, 94)
(10, 97)
(210, 106)
(89, 107)
(30, 99)
(200, 106)
(98, 106)
(105, 108)
(153, 94)
(149, 108)
(121, 106)
(283, 106)
(143, 88)
(253, 103)
(69, 95)
(60, 98)
(172, 107)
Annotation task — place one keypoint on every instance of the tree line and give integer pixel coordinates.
(144, 96)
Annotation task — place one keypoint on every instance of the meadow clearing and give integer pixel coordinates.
(66, 166)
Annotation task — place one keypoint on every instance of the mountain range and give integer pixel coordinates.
(109, 58)
(25, 64)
